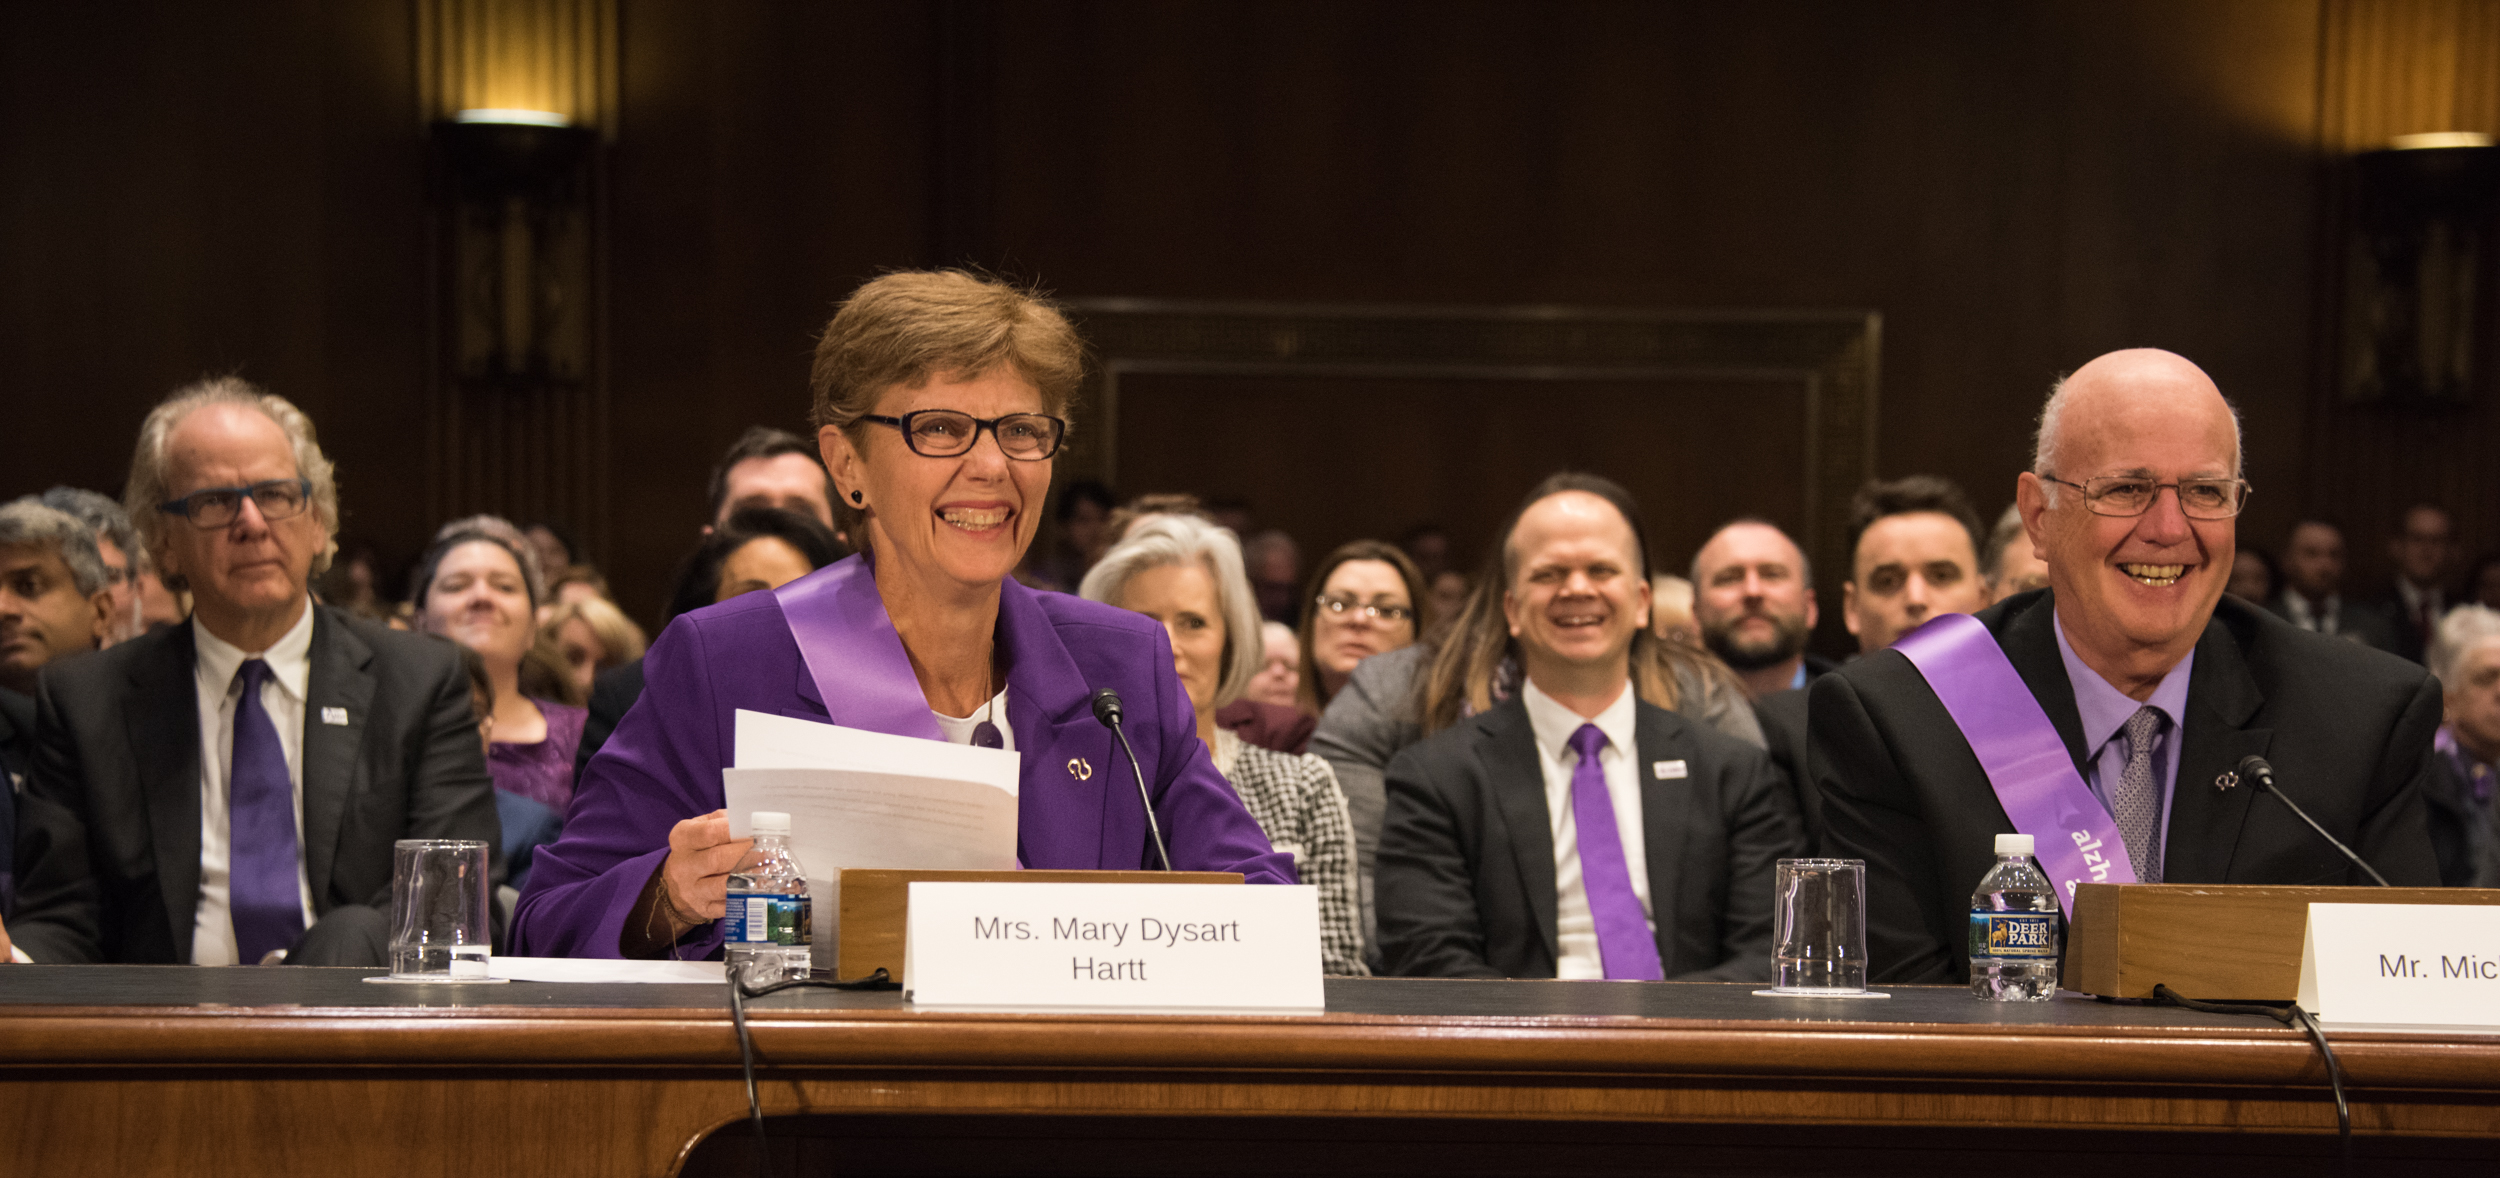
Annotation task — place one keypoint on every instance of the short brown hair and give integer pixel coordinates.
(908, 326)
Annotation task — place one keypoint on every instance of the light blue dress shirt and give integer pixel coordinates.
(2104, 710)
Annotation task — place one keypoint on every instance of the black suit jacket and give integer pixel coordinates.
(2367, 623)
(1783, 718)
(612, 694)
(118, 752)
(2347, 728)
(1466, 869)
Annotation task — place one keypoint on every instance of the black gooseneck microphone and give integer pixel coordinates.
(1107, 710)
(2254, 768)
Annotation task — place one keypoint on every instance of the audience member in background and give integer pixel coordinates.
(56, 598)
(591, 635)
(754, 548)
(1186, 573)
(2008, 564)
(527, 824)
(1576, 830)
(2423, 549)
(17, 763)
(2482, 582)
(2252, 576)
(117, 543)
(1280, 666)
(479, 585)
(557, 549)
(2313, 579)
(1276, 572)
(769, 467)
(1396, 699)
(1083, 520)
(1126, 515)
(353, 583)
(1231, 511)
(1363, 601)
(1671, 610)
(1445, 594)
(2465, 657)
(2151, 681)
(1754, 602)
(1757, 609)
(1428, 545)
(579, 582)
(1914, 553)
(293, 743)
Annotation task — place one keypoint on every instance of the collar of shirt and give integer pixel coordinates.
(289, 658)
(1799, 679)
(2104, 709)
(1554, 723)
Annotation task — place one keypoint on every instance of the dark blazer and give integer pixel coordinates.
(2403, 632)
(118, 751)
(17, 743)
(612, 694)
(2347, 728)
(1466, 871)
(2355, 621)
(1783, 717)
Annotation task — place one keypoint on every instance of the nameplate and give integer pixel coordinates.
(2402, 967)
(1135, 947)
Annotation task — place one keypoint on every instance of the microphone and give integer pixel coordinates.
(2254, 768)
(1107, 710)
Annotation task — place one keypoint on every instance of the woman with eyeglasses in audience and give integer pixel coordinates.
(940, 401)
(1367, 598)
(1185, 572)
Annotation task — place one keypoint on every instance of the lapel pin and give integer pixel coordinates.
(337, 716)
(2228, 779)
(1079, 769)
(1668, 770)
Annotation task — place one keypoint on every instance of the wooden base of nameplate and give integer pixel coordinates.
(876, 903)
(2218, 942)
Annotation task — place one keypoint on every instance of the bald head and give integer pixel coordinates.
(2127, 391)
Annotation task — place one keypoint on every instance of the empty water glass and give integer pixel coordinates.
(1820, 944)
(439, 930)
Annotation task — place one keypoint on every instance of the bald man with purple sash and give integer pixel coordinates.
(940, 400)
(2106, 715)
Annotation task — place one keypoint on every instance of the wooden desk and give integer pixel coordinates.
(179, 1070)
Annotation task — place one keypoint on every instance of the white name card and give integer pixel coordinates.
(1119, 946)
(2402, 967)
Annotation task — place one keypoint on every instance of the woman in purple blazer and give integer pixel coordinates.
(940, 400)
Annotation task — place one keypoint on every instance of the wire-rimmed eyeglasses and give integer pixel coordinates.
(2121, 495)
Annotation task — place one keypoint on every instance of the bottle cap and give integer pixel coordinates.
(2007, 844)
(768, 822)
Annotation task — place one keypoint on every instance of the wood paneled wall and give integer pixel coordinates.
(2016, 187)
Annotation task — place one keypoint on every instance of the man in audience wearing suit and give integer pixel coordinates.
(2155, 686)
(1574, 830)
(228, 789)
(2423, 549)
(2313, 581)
(1754, 598)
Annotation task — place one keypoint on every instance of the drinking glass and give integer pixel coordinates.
(1820, 937)
(439, 930)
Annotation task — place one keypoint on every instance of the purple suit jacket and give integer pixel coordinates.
(664, 763)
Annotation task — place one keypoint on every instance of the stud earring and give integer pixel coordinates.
(857, 497)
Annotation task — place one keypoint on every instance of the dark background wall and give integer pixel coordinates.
(2015, 187)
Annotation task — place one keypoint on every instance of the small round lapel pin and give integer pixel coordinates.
(1079, 769)
(2228, 779)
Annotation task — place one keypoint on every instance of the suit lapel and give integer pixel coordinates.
(339, 687)
(1506, 747)
(1666, 823)
(2205, 821)
(1062, 813)
(164, 731)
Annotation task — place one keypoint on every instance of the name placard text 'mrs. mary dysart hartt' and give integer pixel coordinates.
(1113, 946)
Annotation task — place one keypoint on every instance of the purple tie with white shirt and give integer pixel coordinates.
(1624, 941)
(262, 895)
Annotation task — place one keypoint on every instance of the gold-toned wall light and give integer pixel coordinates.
(2417, 267)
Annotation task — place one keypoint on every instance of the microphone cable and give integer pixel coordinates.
(1107, 711)
(2289, 1014)
(739, 992)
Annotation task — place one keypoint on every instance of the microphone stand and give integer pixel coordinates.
(2257, 769)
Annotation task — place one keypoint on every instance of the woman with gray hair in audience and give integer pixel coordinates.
(2465, 656)
(1186, 572)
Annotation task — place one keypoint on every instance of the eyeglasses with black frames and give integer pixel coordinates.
(2123, 496)
(215, 507)
(945, 433)
(1339, 607)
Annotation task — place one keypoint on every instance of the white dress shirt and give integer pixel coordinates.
(1574, 928)
(2318, 617)
(959, 729)
(282, 696)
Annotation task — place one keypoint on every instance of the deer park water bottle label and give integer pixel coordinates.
(1120, 946)
(2013, 934)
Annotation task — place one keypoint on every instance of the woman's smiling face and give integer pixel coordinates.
(968, 517)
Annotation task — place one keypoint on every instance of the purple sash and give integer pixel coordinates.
(852, 651)
(2026, 761)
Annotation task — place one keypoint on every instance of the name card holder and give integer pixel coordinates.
(2402, 967)
(871, 906)
(2217, 942)
(1131, 947)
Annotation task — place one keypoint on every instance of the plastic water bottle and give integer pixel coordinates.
(765, 934)
(2014, 928)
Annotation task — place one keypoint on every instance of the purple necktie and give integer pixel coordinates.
(1624, 941)
(262, 893)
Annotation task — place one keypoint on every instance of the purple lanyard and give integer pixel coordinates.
(853, 653)
(2027, 764)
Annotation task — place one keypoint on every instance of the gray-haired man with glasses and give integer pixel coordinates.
(227, 790)
(2154, 684)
